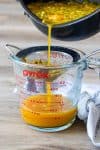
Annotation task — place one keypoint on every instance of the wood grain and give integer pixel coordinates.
(16, 29)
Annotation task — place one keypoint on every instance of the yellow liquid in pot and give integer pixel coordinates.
(57, 12)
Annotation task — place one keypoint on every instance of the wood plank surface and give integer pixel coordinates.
(17, 29)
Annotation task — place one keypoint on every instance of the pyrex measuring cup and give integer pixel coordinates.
(49, 94)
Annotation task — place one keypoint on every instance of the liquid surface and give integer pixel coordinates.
(58, 12)
(38, 111)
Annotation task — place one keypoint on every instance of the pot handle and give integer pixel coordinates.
(12, 49)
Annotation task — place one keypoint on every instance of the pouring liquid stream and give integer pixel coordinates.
(48, 84)
(49, 44)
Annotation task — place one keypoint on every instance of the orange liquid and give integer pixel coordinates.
(36, 111)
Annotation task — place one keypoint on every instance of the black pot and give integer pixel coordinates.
(75, 30)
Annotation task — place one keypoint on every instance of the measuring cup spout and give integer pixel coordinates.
(12, 50)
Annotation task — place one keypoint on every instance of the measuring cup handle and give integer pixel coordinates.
(12, 49)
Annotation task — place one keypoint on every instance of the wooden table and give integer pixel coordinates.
(17, 29)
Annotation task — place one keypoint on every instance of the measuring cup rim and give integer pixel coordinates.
(61, 49)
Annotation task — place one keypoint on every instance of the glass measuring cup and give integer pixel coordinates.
(49, 94)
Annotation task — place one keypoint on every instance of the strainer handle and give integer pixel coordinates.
(94, 63)
(93, 53)
(88, 56)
